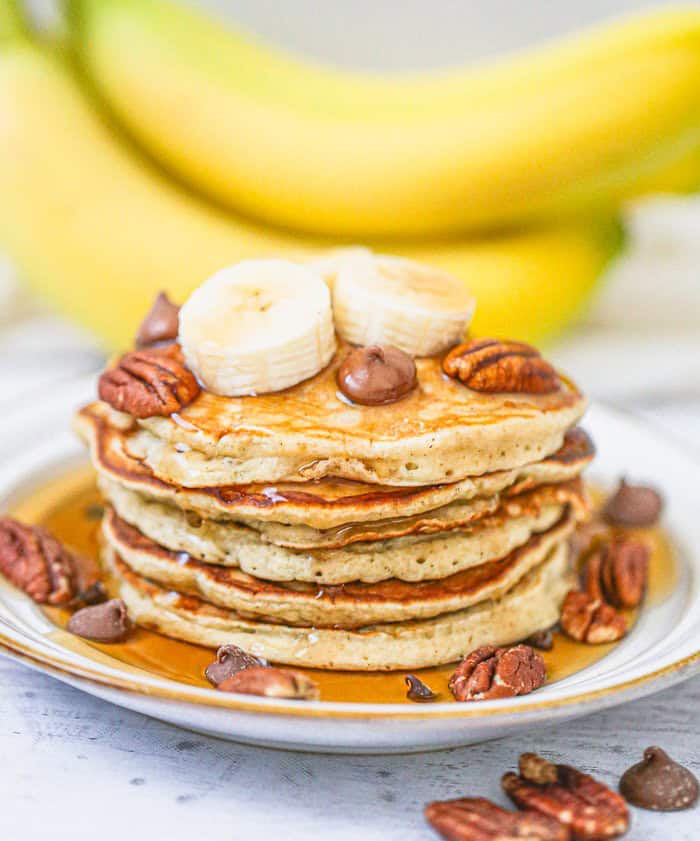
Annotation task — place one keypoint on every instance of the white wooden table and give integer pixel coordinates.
(78, 769)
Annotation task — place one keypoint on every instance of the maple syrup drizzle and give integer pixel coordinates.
(67, 507)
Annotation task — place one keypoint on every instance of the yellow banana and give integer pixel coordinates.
(578, 124)
(98, 231)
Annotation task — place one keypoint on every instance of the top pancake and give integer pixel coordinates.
(321, 504)
(441, 432)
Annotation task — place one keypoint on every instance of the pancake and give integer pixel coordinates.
(409, 559)
(441, 431)
(349, 605)
(457, 516)
(318, 504)
(533, 604)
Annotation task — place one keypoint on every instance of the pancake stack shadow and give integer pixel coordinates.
(318, 534)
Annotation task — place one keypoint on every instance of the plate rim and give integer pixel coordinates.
(169, 690)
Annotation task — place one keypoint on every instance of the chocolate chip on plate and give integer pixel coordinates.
(542, 640)
(633, 505)
(419, 691)
(659, 783)
(376, 375)
(231, 659)
(107, 622)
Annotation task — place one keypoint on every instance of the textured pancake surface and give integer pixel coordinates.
(442, 431)
(316, 504)
(531, 605)
(414, 558)
(349, 605)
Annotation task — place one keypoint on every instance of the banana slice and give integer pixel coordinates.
(258, 326)
(389, 300)
(329, 263)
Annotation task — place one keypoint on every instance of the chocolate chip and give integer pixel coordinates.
(108, 622)
(659, 783)
(633, 505)
(161, 324)
(418, 691)
(230, 659)
(376, 375)
(543, 640)
(94, 511)
(94, 594)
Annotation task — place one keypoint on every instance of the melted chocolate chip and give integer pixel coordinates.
(230, 659)
(418, 691)
(92, 595)
(543, 640)
(659, 783)
(375, 375)
(161, 324)
(108, 622)
(633, 505)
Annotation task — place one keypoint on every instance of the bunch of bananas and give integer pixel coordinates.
(152, 146)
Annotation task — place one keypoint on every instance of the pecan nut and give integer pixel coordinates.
(588, 619)
(37, 563)
(590, 809)
(617, 572)
(147, 383)
(491, 365)
(489, 672)
(161, 324)
(477, 819)
(271, 683)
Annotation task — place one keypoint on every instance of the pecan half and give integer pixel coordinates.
(35, 561)
(161, 324)
(617, 571)
(587, 619)
(491, 365)
(272, 683)
(477, 819)
(490, 672)
(150, 382)
(591, 810)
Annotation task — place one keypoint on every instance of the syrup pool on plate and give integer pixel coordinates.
(70, 507)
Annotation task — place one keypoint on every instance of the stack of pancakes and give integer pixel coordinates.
(317, 533)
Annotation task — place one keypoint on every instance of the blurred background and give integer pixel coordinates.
(145, 142)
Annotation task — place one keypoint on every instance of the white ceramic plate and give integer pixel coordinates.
(663, 648)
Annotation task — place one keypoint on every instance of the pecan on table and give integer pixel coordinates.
(489, 672)
(271, 683)
(617, 571)
(490, 365)
(588, 619)
(477, 819)
(37, 563)
(150, 382)
(590, 809)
